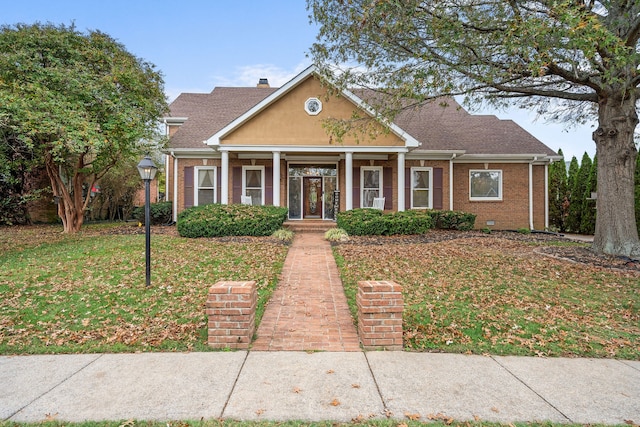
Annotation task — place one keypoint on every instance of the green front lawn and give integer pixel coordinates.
(489, 295)
(86, 292)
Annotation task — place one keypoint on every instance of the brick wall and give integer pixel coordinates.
(231, 312)
(380, 306)
(512, 212)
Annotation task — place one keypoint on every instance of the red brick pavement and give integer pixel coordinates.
(308, 310)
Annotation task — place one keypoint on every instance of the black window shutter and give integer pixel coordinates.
(407, 188)
(268, 185)
(188, 186)
(387, 187)
(437, 188)
(237, 184)
(356, 187)
(219, 184)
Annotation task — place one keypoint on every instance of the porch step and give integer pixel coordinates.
(309, 225)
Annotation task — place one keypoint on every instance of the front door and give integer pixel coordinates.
(312, 197)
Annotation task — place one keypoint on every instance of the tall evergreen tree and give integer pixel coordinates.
(588, 220)
(558, 194)
(578, 186)
(574, 168)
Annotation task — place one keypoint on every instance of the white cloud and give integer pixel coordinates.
(248, 75)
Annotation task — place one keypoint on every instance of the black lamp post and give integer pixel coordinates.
(147, 170)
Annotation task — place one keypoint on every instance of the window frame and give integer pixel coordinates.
(429, 189)
(196, 183)
(262, 181)
(363, 169)
(487, 198)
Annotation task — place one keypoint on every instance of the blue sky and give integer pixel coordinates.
(200, 44)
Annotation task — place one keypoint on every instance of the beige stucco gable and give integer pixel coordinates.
(284, 122)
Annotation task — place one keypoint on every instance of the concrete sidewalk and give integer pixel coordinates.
(317, 386)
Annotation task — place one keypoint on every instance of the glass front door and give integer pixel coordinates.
(311, 191)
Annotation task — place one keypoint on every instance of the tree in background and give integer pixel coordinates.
(571, 61)
(572, 176)
(578, 186)
(80, 102)
(17, 166)
(588, 217)
(558, 195)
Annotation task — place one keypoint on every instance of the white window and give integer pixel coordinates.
(253, 183)
(370, 185)
(485, 184)
(421, 194)
(205, 188)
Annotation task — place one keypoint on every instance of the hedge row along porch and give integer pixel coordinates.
(264, 145)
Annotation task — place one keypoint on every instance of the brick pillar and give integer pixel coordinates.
(380, 307)
(231, 309)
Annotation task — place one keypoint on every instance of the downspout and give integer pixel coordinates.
(175, 187)
(453, 156)
(546, 196)
(531, 192)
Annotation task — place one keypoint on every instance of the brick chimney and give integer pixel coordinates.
(263, 82)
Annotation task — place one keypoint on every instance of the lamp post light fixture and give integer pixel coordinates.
(147, 170)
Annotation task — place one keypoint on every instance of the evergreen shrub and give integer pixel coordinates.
(159, 213)
(373, 222)
(217, 220)
(453, 220)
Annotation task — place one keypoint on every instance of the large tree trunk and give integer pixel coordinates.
(616, 231)
(71, 204)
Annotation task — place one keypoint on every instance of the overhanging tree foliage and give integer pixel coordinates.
(80, 102)
(569, 60)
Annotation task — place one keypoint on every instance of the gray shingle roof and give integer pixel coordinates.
(436, 127)
(207, 113)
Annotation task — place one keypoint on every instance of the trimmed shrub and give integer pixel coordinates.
(160, 213)
(373, 222)
(336, 235)
(283, 234)
(453, 220)
(217, 220)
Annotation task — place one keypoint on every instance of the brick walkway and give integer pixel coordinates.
(308, 310)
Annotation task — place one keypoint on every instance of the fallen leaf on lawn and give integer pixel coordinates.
(494, 409)
(355, 385)
(128, 423)
(330, 371)
(412, 417)
(335, 402)
(260, 412)
(50, 417)
(297, 390)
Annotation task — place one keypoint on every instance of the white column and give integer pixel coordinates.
(401, 182)
(224, 178)
(348, 180)
(276, 178)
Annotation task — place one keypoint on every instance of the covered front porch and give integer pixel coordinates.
(315, 182)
